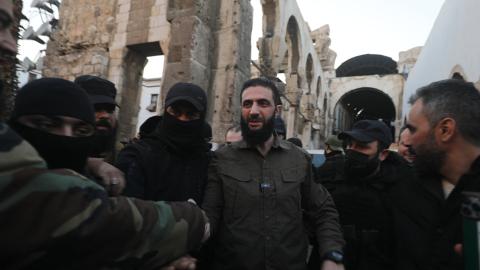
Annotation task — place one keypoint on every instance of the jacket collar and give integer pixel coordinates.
(277, 143)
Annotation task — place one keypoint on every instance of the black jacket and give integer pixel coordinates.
(365, 211)
(428, 224)
(156, 170)
(333, 167)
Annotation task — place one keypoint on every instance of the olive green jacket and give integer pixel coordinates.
(260, 208)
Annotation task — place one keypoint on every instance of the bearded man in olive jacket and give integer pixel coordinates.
(261, 195)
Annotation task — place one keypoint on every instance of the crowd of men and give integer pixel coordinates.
(166, 200)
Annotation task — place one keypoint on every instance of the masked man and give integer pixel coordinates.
(172, 162)
(261, 196)
(361, 194)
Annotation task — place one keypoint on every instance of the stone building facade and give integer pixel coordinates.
(208, 43)
(203, 43)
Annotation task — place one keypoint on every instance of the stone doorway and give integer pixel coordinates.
(363, 103)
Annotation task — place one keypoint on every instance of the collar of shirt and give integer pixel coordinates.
(277, 143)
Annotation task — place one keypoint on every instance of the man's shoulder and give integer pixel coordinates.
(145, 146)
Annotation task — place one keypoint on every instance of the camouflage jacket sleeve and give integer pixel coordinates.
(64, 216)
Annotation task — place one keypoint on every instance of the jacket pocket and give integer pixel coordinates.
(240, 192)
(289, 191)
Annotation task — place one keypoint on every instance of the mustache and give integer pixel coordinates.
(254, 117)
(103, 123)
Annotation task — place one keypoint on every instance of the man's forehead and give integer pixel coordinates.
(416, 112)
(257, 92)
(183, 105)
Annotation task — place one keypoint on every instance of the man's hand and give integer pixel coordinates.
(331, 265)
(186, 262)
(112, 178)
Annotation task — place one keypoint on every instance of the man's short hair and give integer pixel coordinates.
(453, 98)
(265, 82)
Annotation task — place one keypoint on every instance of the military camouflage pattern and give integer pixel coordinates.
(59, 219)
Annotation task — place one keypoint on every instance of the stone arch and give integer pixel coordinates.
(309, 71)
(269, 18)
(292, 40)
(363, 103)
(286, 50)
(390, 86)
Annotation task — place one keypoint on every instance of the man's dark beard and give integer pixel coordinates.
(256, 137)
(429, 159)
(103, 140)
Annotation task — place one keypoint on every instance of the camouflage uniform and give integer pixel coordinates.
(59, 219)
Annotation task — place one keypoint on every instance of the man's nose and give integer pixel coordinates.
(67, 130)
(353, 146)
(183, 117)
(102, 114)
(254, 109)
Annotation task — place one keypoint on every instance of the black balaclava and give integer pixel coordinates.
(185, 136)
(359, 165)
(55, 97)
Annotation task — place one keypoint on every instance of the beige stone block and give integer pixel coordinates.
(121, 27)
(123, 8)
(87, 69)
(77, 69)
(100, 69)
(156, 10)
(122, 17)
(159, 34)
(117, 54)
(119, 40)
(156, 22)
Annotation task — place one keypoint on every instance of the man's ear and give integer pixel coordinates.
(445, 129)
(384, 154)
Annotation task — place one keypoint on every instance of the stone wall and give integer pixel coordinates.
(8, 63)
(204, 42)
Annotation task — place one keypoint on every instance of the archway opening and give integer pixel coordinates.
(293, 45)
(363, 103)
(133, 81)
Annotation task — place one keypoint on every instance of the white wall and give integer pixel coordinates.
(453, 45)
(149, 87)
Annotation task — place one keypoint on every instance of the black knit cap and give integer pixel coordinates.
(98, 89)
(192, 93)
(53, 97)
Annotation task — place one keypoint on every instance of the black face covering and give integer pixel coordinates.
(58, 151)
(257, 137)
(359, 165)
(103, 140)
(183, 135)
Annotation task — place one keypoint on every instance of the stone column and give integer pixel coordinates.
(231, 67)
(80, 45)
(190, 48)
(8, 63)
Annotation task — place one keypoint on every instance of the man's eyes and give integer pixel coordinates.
(45, 124)
(261, 103)
(83, 131)
(247, 104)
